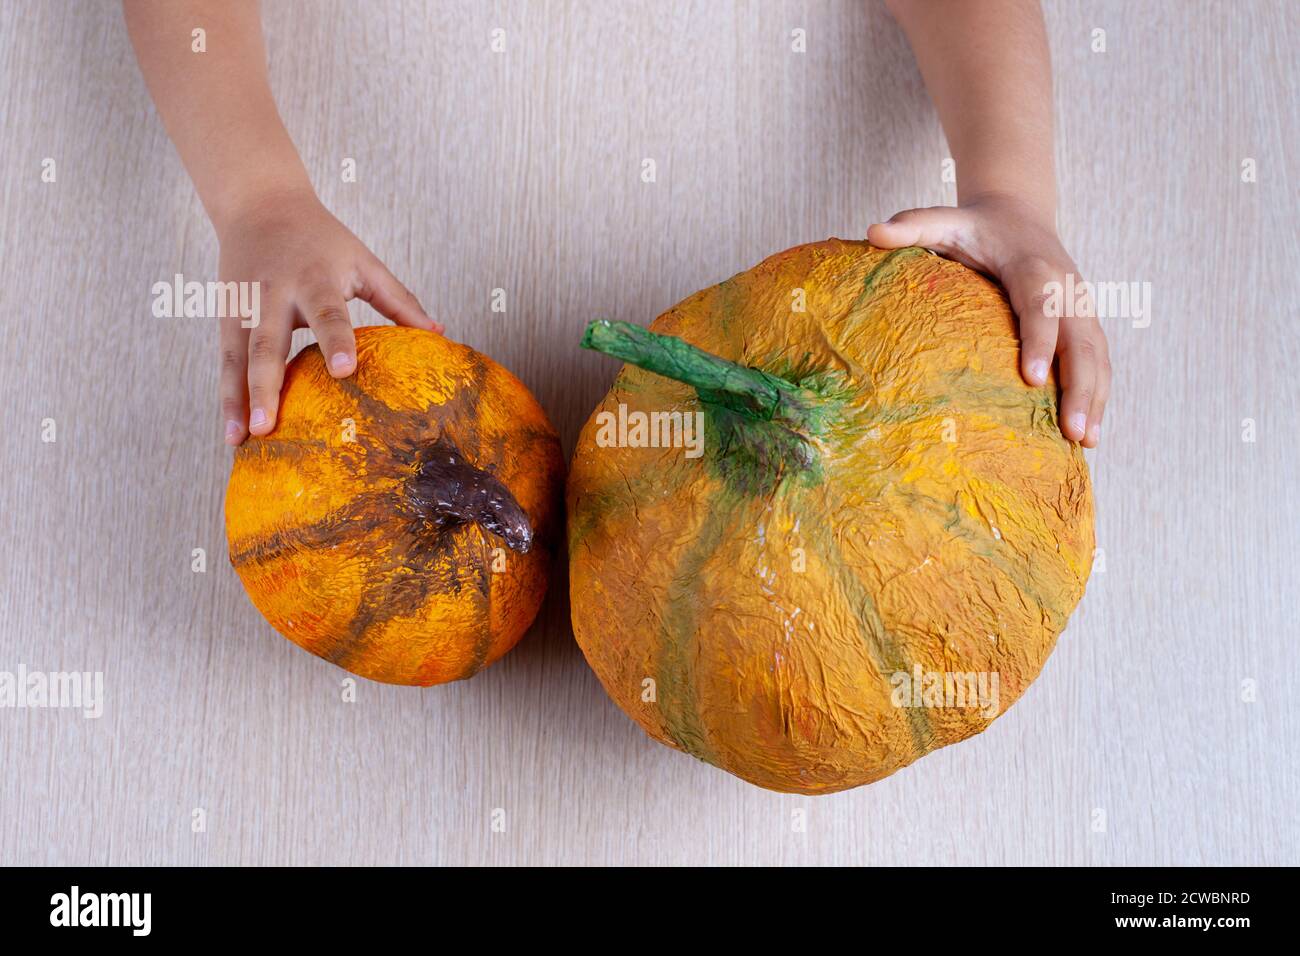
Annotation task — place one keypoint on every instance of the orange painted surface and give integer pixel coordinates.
(337, 554)
(756, 609)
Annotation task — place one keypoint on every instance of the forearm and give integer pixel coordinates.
(989, 73)
(216, 105)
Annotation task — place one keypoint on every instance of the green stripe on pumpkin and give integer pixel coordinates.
(675, 676)
(884, 270)
(884, 650)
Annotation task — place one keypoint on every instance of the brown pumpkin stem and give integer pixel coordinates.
(748, 391)
(447, 490)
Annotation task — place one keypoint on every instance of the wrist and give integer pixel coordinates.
(1040, 209)
(248, 196)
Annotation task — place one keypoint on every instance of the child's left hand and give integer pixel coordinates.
(1008, 239)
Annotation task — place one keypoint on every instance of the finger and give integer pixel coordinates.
(233, 388)
(1029, 287)
(326, 313)
(1102, 394)
(938, 228)
(391, 299)
(268, 347)
(1079, 357)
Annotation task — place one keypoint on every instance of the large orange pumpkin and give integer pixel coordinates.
(877, 544)
(401, 522)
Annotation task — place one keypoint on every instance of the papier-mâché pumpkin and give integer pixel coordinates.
(872, 550)
(401, 522)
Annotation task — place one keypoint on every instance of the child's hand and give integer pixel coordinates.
(308, 266)
(1005, 238)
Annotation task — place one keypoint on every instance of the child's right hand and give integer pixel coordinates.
(308, 266)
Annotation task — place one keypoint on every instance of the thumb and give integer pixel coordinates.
(934, 228)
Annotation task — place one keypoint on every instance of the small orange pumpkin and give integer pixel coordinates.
(867, 546)
(401, 522)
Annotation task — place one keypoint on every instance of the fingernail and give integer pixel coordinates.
(340, 362)
(233, 430)
(258, 418)
(1078, 422)
(1094, 434)
(1038, 371)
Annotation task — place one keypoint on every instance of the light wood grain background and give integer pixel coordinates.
(520, 170)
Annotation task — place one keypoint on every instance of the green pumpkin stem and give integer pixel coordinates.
(748, 391)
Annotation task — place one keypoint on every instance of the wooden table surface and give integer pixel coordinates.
(1164, 730)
